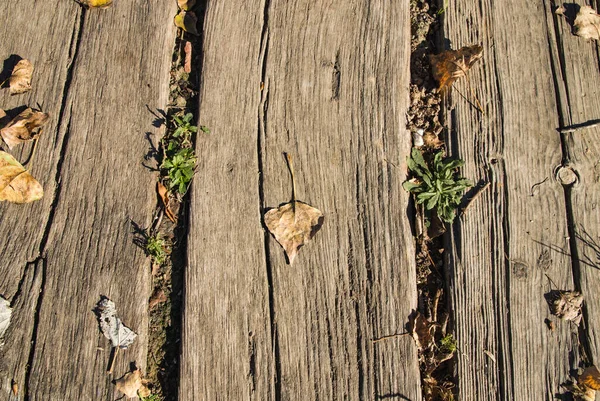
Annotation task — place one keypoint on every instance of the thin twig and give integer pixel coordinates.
(474, 197)
(30, 158)
(111, 359)
(575, 127)
(376, 340)
(290, 165)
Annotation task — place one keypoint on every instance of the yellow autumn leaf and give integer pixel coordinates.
(96, 3)
(16, 184)
(187, 21)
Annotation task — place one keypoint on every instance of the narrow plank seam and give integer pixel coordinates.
(262, 130)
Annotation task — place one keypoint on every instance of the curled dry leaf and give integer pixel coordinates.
(5, 313)
(96, 3)
(421, 331)
(186, 4)
(16, 184)
(24, 127)
(566, 305)
(163, 192)
(293, 224)
(111, 326)
(586, 23)
(20, 79)
(158, 297)
(132, 384)
(586, 385)
(187, 21)
(450, 65)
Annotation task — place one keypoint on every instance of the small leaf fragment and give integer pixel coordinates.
(132, 384)
(5, 313)
(293, 224)
(111, 325)
(14, 387)
(586, 23)
(96, 3)
(421, 331)
(163, 193)
(187, 21)
(450, 65)
(20, 79)
(16, 184)
(590, 377)
(566, 305)
(186, 4)
(24, 127)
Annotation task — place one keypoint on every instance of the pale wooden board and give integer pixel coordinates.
(335, 95)
(226, 349)
(515, 232)
(578, 73)
(114, 65)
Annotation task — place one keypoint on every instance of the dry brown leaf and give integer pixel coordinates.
(14, 387)
(586, 23)
(20, 79)
(293, 224)
(566, 305)
(450, 65)
(24, 127)
(131, 384)
(187, 66)
(96, 3)
(187, 21)
(163, 192)
(590, 377)
(16, 184)
(421, 331)
(186, 4)
(158, 297)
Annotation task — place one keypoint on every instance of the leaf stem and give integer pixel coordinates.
(290, 165)
(111, 360)
(30, 158)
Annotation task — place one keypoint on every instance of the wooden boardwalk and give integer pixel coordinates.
(533, 221)
(98, 73)
(326, 82)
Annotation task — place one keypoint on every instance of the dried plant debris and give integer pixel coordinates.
(111, 325)
(451, 65)
(293, 224)
(186, 4)
(24, 127)
(132, 384)
(166, 199)
(16, 184)
(5, 313)
(586, 23)
(565, 304)
(96, 3)
(20, 79)
(584, 387)
(421, 331)
(187, 21)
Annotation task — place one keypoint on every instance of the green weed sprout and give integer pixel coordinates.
(439, 187)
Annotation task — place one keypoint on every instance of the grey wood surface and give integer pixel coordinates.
(516, 233)
(327, 83)
(98, 73)
(578, 73)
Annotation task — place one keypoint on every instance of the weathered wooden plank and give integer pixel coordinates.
(327, 83)
(116, 68)
(578, 72)
(29, 29)
(336, 91)
(504, 245)
(227, 351)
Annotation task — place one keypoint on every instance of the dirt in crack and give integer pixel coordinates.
(431, 323)
(166, 240)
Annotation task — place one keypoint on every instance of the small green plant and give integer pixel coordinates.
(439, 187)
(184, 128)
(448, 344)
(157, 249)
(179, 166)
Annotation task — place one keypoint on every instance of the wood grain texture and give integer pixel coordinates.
(516, 232)
(227, 352)
(334, 94)
(114, 65)
(577, 67)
